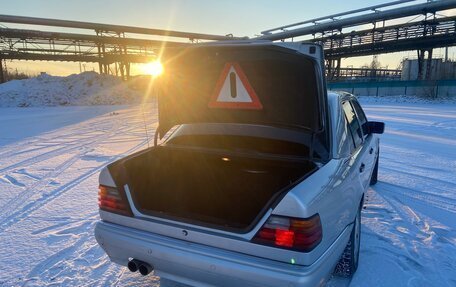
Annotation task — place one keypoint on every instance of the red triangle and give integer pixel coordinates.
(215, 102)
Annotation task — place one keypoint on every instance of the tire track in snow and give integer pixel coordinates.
(11, 180)
(23, 212)
(423, 178)
(78, 135)
(388, 240)
(12, 212)
(435, 200)
(66, 148)
(16, 215)
(415, 236)
(58, 269)
(12, 205)
(79, 259)
(54, 267)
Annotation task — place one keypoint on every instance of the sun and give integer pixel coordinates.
(154, 68)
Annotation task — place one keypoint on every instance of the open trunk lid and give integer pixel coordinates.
(262, 83)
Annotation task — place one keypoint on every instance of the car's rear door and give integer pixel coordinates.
(361, 151)
(369, 142)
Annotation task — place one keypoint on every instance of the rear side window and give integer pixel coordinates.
(349, 135)
(361, 116)
(353, 123)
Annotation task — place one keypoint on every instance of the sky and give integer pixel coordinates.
(238, 17)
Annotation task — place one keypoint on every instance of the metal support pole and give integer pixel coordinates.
(2, 78)
(338, 67)
(330, 69)
(128, 70)
(79, 52)
(429, 65)
(100, 66)
(122, 70)
(420, 64)
(103, 53)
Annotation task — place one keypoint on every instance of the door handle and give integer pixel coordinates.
(371, 150)
(361, 168)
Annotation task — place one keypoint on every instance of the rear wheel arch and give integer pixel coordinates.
(349, 260)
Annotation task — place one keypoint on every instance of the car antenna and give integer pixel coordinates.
(145, 125)
(157, 131)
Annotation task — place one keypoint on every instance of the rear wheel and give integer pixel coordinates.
(375, 171)
(348, 262)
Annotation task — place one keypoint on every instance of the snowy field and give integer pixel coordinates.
(50, 159)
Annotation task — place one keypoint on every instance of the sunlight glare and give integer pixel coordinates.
(154, 68)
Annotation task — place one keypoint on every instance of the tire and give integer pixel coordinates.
(374, 175)
(348, 262)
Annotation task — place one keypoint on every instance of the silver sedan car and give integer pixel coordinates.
(258, 179)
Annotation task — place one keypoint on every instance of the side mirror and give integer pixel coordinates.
(375, 127)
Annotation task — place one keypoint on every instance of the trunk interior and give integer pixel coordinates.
(209, 188)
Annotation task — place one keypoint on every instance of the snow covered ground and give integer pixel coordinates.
(49, 164)
(88, 88)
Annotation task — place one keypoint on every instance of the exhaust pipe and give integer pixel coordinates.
(133, 265)
(145, 268)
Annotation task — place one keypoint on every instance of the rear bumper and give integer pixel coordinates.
(201, 265)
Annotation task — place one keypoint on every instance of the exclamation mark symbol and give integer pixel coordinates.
(233, 85)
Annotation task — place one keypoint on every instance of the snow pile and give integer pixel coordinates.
(88, 88)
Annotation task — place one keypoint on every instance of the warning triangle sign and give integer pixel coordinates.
(233, 90)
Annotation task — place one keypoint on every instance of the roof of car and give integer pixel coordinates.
(333, 94)
(339, 95)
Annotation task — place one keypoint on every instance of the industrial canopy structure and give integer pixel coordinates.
(342, 35)
(108, 46)
(435, 30)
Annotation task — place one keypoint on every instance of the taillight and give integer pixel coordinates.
(290, 233)
(109, 199)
